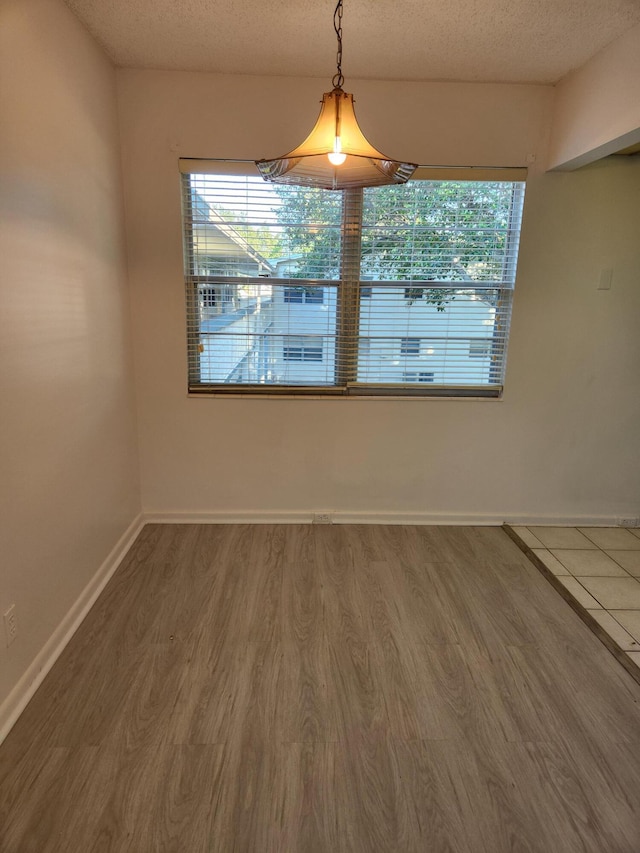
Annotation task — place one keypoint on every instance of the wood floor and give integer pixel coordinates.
(327, 688)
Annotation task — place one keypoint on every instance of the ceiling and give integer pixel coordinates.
(526, 41)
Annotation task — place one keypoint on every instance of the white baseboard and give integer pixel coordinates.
(17, 700)
(306, 517)
(563, 521)
(375, 517)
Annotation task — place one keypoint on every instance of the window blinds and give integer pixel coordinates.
(391, 290)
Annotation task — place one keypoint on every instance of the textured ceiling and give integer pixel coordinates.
(529, 41)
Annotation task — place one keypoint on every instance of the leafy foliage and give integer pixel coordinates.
(311, 220)
(424, 231)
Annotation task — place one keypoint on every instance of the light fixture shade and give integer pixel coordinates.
(308, 165)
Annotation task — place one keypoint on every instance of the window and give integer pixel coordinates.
(302, 349)
(479, 349)
(209, 297)
(302, 290)
(304, 295)
(417, 376)
(409, 346)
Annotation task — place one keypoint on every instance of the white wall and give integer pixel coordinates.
(69, 483)
(597, 107)
(562, 444)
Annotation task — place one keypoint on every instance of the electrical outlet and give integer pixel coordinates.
(10, 624)
(628, 522)
(322, 518)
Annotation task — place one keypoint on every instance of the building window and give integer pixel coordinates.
(479, 349)
(304, 295)
(409, 346)
(209, 297)
(302, 349)
(417, 376)
(286, 284)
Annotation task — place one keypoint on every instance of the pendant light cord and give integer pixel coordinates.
(338, 79)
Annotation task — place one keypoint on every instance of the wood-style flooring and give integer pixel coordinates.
(292, 688)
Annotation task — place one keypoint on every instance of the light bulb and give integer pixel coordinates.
(336, 157)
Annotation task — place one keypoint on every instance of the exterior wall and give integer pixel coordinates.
(385, 320)
(315, 324)
(230, 348)
(69, 485)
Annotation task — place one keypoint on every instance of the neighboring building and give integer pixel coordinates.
(277, 331)
(284, 333)
(233, 320)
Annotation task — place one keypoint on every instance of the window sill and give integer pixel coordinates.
(287, 395)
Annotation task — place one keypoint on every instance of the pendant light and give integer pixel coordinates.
(336, 155)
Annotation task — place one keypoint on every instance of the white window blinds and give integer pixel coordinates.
(392, 290)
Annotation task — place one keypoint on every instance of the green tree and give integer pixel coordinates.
(310, 220)
(440, 231)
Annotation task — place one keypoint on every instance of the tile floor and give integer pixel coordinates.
(600, 567)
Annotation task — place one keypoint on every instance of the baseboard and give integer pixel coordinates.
(17, 700)
(562, 521)
(307, 517)
(374, 517)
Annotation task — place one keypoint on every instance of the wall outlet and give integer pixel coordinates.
(10, 624)
(322, 518)
(628, 522)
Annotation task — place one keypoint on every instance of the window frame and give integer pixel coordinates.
(351, 289)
